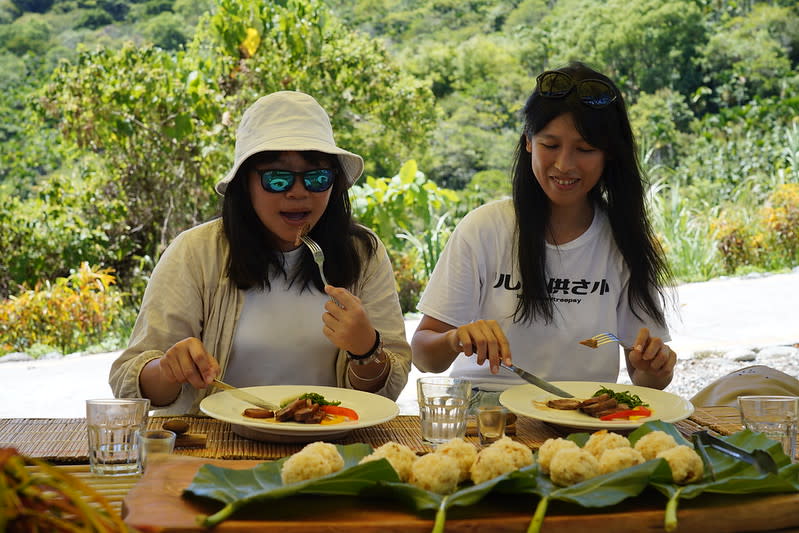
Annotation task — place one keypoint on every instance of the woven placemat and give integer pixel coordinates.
(58, 440)
(63, 440)
(724, 420)
(222, 443)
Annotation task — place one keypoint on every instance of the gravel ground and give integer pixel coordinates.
(704, 367)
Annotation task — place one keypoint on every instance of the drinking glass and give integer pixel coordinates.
(112, 427)
(491, 423)
(153, 442)
(443, 403)
(775, 416)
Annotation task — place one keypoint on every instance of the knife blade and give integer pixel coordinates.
(245, 396)
(535, 380)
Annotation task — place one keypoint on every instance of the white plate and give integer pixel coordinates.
(371, 408)
(529, 400)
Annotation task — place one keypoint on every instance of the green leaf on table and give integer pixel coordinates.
(517, 482)
(238, 488)
(732, 475)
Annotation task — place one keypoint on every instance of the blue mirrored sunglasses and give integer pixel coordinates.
(318, 180)
(592, 92)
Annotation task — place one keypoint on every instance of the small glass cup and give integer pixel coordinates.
(112, 426)
(153, 442)
(443, 403)
(774, 416)
(491, 423)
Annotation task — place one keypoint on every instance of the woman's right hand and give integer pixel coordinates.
(486, 339)
(187, 361)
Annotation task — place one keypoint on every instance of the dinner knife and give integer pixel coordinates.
(535, 380)
(246, 396)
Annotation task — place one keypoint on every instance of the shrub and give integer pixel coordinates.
(781, 218)
(70, 313)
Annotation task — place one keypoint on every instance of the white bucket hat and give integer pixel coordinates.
(288, 120)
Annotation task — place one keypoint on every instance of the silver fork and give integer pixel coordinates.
(318, 255)
(319, 259)
(602, 338)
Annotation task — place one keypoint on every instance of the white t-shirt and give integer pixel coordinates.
(279, 336)
(477, 277)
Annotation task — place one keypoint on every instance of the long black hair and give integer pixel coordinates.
(619, 192)
(254, 250)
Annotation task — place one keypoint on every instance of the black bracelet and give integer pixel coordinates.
(368, 354)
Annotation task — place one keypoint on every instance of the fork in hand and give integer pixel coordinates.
(602, 338)
(319, 259)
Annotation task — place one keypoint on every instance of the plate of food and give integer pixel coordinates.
(595, 406)
(308, 412)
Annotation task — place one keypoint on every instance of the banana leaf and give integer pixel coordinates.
(519, 481)
(601, 491)
(731, 475)
(239, 488)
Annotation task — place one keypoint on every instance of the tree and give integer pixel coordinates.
(36, 6)
(644, 45)
(750, 57)
(162, 124)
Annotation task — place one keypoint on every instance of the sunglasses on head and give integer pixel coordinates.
(592, 92)
(318, 180)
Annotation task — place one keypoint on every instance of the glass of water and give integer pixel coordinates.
(774, 416)
(112, 427)
(443, 403)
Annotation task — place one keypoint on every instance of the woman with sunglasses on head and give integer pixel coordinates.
(241, 297)
(572, 254)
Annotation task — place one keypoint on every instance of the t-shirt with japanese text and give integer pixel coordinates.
(476, 277)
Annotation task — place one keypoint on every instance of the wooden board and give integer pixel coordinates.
(155, 504)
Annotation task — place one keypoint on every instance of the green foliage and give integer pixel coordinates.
(376, 110)
(28, 34)
(94, 18)
(36, 6)
(411, 215)
(65, 221)
(658, 121)
(70, 313)
(165, 30)
(750, 55)
(154, 125)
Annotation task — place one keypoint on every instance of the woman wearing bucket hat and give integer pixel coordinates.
(240, 297)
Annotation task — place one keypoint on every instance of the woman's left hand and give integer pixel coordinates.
(651, 355)
(347, 324)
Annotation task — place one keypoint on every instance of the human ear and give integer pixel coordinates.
(528, 143)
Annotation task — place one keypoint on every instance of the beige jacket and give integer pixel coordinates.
(189, 295)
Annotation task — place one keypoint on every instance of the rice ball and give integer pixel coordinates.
(572, 466)
(548, 450)
(463, 452)
(503, 456)
(400, 456)
(435, 472)
(653, 443)
(315, 460)
(603, 440)
(686, 465)
(618, 459)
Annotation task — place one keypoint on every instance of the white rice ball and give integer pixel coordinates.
(651, 444)
(572, 466)
(435, 472)
(315, 460)
(400, 456)
(463, 452)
